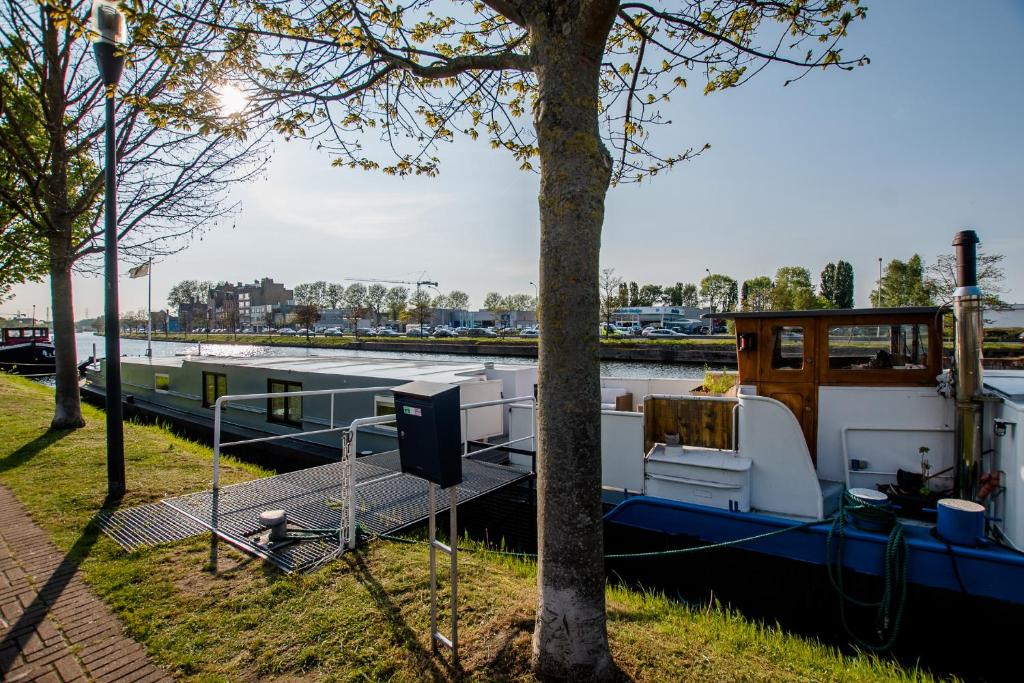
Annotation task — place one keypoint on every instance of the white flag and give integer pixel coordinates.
(139, 271)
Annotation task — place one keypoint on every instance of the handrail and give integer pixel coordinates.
(346, 535)
(218, 406)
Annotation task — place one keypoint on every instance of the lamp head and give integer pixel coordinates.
(107, 24)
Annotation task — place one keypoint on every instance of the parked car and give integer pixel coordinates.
(475, 332)
(332, 332)
(386, 332)
(530, 333)
(663, 333)
(444, 332)
(607, 330)
(416, 332)
(365, 332)
(287, 332)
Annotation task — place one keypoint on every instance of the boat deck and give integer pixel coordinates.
(386, 501)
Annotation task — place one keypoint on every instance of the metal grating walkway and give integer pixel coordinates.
(386, 501)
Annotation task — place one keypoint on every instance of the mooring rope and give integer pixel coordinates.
(889, 608)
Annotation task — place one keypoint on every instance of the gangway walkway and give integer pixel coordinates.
(386, 501)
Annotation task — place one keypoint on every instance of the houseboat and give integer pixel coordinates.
(183, 390)
(26, 351)
(846, 443)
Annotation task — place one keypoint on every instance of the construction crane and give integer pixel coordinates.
(418, 283)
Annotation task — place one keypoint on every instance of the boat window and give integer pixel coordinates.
(14, 334)
(788, 353)
(285, 409)
(41, 333)
(383, 405)
(162, 383)
(215, 385)
(874, 347)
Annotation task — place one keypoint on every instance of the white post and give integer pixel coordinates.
(432, 511)
(149, 311)
(216, 483)
(454, 571)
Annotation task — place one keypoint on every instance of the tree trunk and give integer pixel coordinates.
(570, 639)
(67, 412)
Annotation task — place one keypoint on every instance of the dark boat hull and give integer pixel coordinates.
(33, 358)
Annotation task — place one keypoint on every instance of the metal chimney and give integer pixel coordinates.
(967, 307)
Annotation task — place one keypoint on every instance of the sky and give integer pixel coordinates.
(886, 161)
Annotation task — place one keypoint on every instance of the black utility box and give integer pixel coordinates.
(430, 431)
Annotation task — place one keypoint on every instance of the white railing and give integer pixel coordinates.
(346, 532)
(221, 401)
(350, 449)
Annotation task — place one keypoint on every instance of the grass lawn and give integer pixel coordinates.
(362, 618)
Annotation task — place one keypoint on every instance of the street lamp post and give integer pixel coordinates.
(878, 299)
(108, 32)
(536, 301)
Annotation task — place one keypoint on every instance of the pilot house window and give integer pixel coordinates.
(788, 353)
(878, 347)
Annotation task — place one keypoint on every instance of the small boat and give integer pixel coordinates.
(26, 351)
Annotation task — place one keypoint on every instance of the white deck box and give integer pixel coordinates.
(703, 476)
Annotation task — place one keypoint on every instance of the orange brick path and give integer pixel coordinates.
(52, 626)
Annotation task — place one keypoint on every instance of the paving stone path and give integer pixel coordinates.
(52, 626)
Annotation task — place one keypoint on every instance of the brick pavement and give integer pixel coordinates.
(52, 626)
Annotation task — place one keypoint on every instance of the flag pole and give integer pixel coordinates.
(149, 311)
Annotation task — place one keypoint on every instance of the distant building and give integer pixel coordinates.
(663, 316)
(238, 306)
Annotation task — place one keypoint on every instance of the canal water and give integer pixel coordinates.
(136, 347)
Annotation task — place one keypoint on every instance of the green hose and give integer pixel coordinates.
(889, 608)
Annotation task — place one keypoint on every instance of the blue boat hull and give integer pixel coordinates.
(986, 571)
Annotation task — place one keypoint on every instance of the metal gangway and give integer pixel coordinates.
(326, 506)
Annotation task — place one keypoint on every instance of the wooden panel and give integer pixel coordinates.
(802, 399)
(707, 424)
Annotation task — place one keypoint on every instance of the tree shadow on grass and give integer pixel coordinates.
(31, 449)
(51, 586)
(402, 633)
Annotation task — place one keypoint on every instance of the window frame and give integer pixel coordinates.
(216, 394)
(287, 419)
(882, 376)
(166, 376)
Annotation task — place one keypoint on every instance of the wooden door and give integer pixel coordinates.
(787, 371)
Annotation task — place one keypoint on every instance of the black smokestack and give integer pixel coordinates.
(966, 258)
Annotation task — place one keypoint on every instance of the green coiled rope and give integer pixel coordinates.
(888, 608)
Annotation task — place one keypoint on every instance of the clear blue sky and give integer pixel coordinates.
(888, 160)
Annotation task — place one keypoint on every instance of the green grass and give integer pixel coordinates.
(364, 617)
